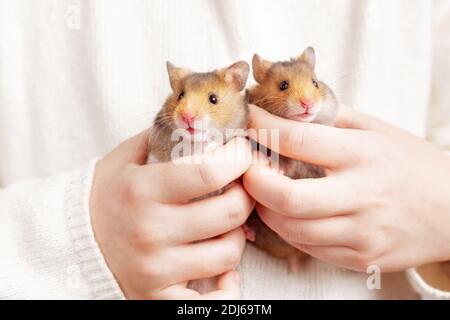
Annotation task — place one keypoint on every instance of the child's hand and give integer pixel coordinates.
(152, 239)
(385, 200)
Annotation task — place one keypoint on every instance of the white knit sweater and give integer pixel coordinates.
(78, 77)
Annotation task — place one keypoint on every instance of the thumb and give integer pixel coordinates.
(352, 119)
(133, 150)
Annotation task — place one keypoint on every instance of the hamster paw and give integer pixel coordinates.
(250, 234)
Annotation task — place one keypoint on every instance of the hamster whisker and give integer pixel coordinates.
(279, 109)
(274, 103)
(165, 118)
(268, 104)
(339, 78)
(268, 99)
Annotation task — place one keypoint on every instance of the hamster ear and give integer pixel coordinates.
(260, 68)
(236, 75)
(308, 56)
(176, 74)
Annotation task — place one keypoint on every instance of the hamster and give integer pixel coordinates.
(203, 109)
(290, 89)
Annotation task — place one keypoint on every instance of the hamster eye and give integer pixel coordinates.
(315, 83)
(213, 98)
(181, 96)
(284, 85)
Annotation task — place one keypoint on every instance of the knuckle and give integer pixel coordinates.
(132, 189)
(144, 237)
(137, 236)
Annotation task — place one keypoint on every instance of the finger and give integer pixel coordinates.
(194, 176)
(349, 118)
(205, 259)
(333, 231)
(132, 150)
(260, 158)
(227, 289)
(339, 256)
(313, 143)
(212, 216)
(304, 198)
(176, 292)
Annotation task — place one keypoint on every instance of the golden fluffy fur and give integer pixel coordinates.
(230, 112)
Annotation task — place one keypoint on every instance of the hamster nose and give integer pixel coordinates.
(305, 103)
(188, 118)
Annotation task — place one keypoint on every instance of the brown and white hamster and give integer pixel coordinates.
(201, 105)
(290, 89)
(205, 110)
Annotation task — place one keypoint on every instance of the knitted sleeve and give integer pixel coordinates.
(433, 281)
(47, 245)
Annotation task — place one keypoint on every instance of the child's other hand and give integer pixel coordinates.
(385, 200)
(154, 240)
